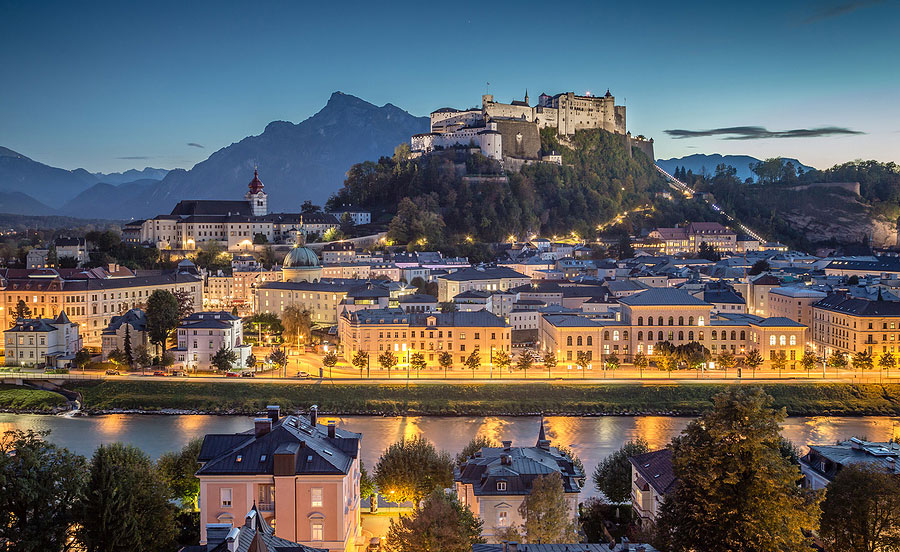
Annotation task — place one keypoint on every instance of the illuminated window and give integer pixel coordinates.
(771, 340)
(315, 498)
(782, 340)
(317, 532)
(793, 341)
(225, 497)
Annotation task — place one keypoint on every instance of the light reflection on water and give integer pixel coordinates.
(592, 438)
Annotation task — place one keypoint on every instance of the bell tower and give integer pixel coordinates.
(257, 197)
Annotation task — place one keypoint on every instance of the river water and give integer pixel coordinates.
(592, 438)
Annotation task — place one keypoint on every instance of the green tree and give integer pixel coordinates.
(185, 301)
(837, 360)
(129, 353)
(177, 470)
(224, 359)
(411, 468)
(330, 360)
(167, 359)
(417, 361)
(727, 359)
(267, 257)
(260, 239)
(502, 360)
(665, 356)
(279, 358)
(367, 485)
(117, 357)
(861, 510)
(759, 267)
(753, 360)
(126, 504)
(142, 356)
(779, 361)
(862, 361)
(626, 250)
(525, 361)
(887, 361)
(162, 317)
(473, 361)
(297, 323)
(477, 443)
(387, 360)
(82, 358)
(708, 252)
(547, 515)
(550, 360)
(612, 476)
(808, 360)
(360, 360)
(445, 359)
(735, 489)
(612, 362)
(641, 362)
(251, 361)
(41, 484)
(440, 523)
(21, 311)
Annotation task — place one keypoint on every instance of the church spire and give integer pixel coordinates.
(542, 441)
(526, 96)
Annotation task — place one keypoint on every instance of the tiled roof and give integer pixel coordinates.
(134, 318)
(188, 207)
(518, 467)
(663, 297)
(655, 468)
(468, 274)
(571, 321)
(839, 302)
(477, 319)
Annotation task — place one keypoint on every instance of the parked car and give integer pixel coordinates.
(179, 373)
(112, 372)
(159, 373)
(374, 544)
(231, 374)
(247, 374)
(302, 374)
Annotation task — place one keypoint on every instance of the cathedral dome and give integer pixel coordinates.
(300, 257)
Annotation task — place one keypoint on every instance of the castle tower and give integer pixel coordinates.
(257, 197)
(526, 97)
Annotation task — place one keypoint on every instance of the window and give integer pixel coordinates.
(681, 321)
(590, 341)
(569, 341)
(690, 321)
(225, 497)
(317, 531)
(771, 340)
(700, 321)
(615, 335)
(793, 341)
(501, 485)
(671, 320)
(782, 340)
(315, 498)
(579, 341)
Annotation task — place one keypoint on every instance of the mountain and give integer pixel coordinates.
(132, 175)
(699, 161)
(111, 201)
(17, 203)
(48, 185)
(307, 160)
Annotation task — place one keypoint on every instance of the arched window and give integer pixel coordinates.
(671, 320)
(615, 335)
(606, 335)
(625, 335)
(690, 335)
(569, 341)
(681, 321)
(700, 321)
(771, 340)
(640, 336)
(671, 336)
(660, 321)
(743, 335)
(590, 340)
(690, 320)
(793, 340)
(659, 336)
(578, 341)
(649, 320)
(681, 336)
(782, 340)
(701, 336)
(640, 320)
(733, 335)
(714, 335)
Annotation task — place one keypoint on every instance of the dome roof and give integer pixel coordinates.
(299, 257)
(256, 184)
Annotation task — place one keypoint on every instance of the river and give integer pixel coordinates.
(592, 438)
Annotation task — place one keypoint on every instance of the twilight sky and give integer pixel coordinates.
(115, 85)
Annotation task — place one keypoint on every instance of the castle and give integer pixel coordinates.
(511, 132)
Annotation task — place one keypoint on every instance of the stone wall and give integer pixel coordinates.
(520, 138)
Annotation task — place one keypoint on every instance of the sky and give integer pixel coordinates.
(109, 86)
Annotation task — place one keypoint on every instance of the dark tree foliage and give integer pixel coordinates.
(612, 477)
(177, 469)
(861, 510)
(441, 523)
(411, 469)
(162, 316)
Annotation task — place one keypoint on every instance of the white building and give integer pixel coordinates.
(42, 341)
(202, 334)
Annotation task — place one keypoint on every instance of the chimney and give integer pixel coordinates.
(216, 533)
(513, 546)
(331, 429)
(232, 541)
(262, 426)
(314, 415)
(507, 445)
(274, 412)
(250, 520)
(504, 459)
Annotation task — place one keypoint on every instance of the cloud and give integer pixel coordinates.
(758, 133)
(195, 145)
(837, 10)
(136, 157)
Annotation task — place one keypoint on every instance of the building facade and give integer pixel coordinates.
(42, 341)
(202, 334)
(484, 279)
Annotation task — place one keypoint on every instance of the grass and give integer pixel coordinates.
(17, 398)
(477, 399)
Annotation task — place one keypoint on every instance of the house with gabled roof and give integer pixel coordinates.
(301, 476)
(652, 478)
(42, 341)
(255, 535)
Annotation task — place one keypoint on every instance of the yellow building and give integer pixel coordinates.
(459, 333)
(849, 325)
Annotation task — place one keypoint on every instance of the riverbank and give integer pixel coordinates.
(168, 397)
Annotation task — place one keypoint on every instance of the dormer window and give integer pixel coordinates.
(239, 458)
(501, 485)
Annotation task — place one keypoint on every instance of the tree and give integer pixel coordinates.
(477, 443)
(641, 362)
(808, 360)
(727, 360)
(260, 239)
(861, 510)
(142, 356)
(177, 470)
(360, 360)
(753, 360)
(129, 353)
(502, 360)
(549, 361)
(162, 317)
(525, 361)
(251, 361)
(417, 361)
(837, 360)
(21, 310)
(548, 517)
(473, 361)
(665, 356)
(185, 303)
(759, 267)
(117, 356)
(40, 485)
(887, 361)
(612, 362)
(387, 360)
(779, 361)
(367, 485)
(308, 207)
(708, 252)
(612, 476)
(735, 489)
(267, 257)
(448, 306)
(224, 359)
(167, 359)
(440, 523)
(82, 358)
(445, 359)
(411, 468)
(853, 280)
(330, 360)
(126, 503)
(862, 361)
(279, 358)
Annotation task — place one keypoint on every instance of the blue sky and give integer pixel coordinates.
(111, 86)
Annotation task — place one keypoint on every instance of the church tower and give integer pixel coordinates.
(526, 97)
(257, 197)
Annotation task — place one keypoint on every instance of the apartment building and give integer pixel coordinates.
(485, 279)
(847, 325)
(322, 298)
(459, 333)
(338, 252)
(42, 341)
(794, 302)
(689, 238)
(202, 334)
(303, 477)
(133, 324)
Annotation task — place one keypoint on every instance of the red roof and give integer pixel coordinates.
(256, 184)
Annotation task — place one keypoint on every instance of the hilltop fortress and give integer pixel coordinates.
(510, 133)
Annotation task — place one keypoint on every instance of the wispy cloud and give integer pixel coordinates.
(837, 10)
(758, 133)
(196, 145)
(136, 157)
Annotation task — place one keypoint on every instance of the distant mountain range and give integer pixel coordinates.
(296, 162)
(699, 162)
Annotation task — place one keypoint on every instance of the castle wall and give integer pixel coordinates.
(520, 139)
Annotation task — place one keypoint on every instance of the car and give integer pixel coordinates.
(374, 544)
(247, 374)
(112, 372)
(179, 373)
(231, 374)
(302, 374)
(159, 373)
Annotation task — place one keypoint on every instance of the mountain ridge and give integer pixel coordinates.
(696, 162)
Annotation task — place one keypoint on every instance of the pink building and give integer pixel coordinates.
(303, 478)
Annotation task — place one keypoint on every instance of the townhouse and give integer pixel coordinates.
(485, 279)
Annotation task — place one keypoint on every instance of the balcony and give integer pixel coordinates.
(265, 506)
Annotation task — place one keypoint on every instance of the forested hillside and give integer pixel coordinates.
(446, 196)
